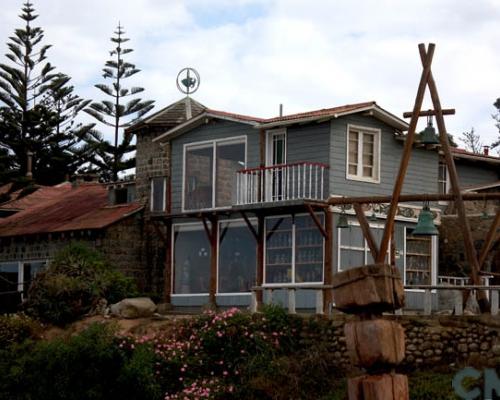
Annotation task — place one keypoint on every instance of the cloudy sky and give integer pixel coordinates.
(255, 54)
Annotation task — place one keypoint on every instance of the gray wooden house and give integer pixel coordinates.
(236, 198)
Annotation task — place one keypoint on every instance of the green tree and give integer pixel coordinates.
(111, 158)
(471, 141)
(34, 105)
(496, 117)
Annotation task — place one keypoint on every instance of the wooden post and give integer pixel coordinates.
(328, 271)
(167, 272)
(455, 185)
(490, 238)
(260, 259)
(291, 301)
(365, 228)
(213, 236)
(405, 158)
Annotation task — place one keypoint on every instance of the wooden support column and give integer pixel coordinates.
(405, 159)
(167, 273)
(327, 293)
(260, 259)
(490, 239)
(455, 185)
(213, 261)
(365, 228)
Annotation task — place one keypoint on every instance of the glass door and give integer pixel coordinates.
(276, 158)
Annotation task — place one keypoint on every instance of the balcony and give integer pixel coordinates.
(296, 181)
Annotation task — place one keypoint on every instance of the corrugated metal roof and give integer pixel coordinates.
(41, 194)
(82, 207)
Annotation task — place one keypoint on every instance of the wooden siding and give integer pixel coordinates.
(422, 172)
(214, 130)
(475, 174)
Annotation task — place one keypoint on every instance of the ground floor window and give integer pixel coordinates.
(294, 250)
(353, 250)
(419, 259)
(237, 257)
(191, 261)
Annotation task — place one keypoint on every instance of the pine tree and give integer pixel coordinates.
(38, 109)
(472, 141)
(111, 158)
(496, 117)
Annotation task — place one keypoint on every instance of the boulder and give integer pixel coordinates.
(139, 307)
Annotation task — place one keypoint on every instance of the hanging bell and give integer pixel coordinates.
(425, 225)
(373, 217)
(342, 222)
(428, 135)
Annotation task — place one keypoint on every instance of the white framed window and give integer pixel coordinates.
(209, 173)
(363, 154)
(420, 262)
(158, 194)
(294, 250)
(352, 248)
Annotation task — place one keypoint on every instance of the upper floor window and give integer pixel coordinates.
(442, 178)
(363, 154)
(210, 173)
(158, 193)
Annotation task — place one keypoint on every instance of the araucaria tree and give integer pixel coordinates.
(471, 141)
(496, 117)
(118, 113)
(30, 120)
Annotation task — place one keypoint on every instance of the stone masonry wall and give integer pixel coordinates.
(431, 342)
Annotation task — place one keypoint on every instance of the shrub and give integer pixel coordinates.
(73, 284)
(15, 328)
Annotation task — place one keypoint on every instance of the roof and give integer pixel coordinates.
(464, 154)
(370, 107)
(80, 208)
(41, 194)
(484, 186)
(170, 116)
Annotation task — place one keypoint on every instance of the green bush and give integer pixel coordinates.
(15, 328)
(74, 283)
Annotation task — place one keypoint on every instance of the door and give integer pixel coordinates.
(276, 160)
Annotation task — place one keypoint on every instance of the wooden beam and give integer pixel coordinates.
(365, 228)
(405, 198)
(317, 222)
(447, 111)
(455, 186)
(490, 239)
(405, 158)
(250, 226)
(208, 231)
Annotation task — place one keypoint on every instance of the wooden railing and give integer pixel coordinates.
(301, 180)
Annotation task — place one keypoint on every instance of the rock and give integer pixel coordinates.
(473, 347)
(462, 348)
(139, 307)
(484, 346)
(428, 353)
(496, 349)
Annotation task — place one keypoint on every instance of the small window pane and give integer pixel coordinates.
(279, 250)
(237, 258)
(418, 260)
(230, 159)
(367, 172)
(198, 185)
(191, 260)
(158, 194)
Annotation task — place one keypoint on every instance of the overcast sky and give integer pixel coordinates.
(253, 55)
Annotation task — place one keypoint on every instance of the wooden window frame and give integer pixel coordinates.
(375, 178)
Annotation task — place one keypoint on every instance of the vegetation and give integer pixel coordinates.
(29, 120)
(112, 158)
(472, 141)
(75, 282)
(227, 355)
(16, 328)
(496, 117)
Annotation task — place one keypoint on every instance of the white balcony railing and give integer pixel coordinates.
(302, 180)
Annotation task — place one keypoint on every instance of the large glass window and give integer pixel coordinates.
(9, 277)
(191, 259)
(217, 160)
(418, 259)
(158, 193)
(363, 154)
(353, 250)
(30, 270)
(237, 257)
(294, 250)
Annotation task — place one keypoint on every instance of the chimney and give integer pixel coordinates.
(281, 110)
(486, 150)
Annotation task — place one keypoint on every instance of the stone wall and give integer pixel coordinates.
(431, 342)
(129, 244)
(152, 160)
